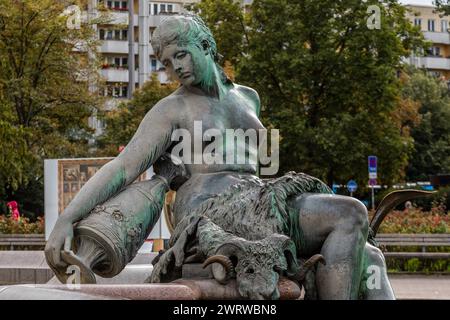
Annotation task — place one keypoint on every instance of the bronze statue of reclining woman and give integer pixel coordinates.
(320, 223)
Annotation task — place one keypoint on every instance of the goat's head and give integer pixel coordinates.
(257, 265)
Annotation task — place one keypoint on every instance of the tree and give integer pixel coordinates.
(442, 6)
(431, 153)
(14, 155)
(329, 82)
(44, 88)
(122, 123)
(225, 18)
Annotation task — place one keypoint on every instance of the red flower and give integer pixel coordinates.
(14, 208)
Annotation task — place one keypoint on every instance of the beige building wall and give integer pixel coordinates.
(436, 30)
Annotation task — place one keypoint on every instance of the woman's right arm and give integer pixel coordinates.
(150, 141)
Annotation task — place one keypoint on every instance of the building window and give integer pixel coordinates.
(431, 25)
(418, 22)
(153, 64)
(434, 52)
(115, 62)
(117, 5)
(444, 26)
(161, 8)
(116, 90)
(436, 74)
(105, 34)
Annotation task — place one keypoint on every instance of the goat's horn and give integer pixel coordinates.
(309, 264)
(222, 272)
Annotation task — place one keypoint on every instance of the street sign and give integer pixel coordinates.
(335, 187)
(352, 186)
(372, 164)
(428, 188)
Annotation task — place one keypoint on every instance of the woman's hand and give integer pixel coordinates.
(60, 239)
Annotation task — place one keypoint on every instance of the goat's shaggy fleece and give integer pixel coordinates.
(255, 208)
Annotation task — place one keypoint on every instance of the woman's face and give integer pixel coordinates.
(187, 64)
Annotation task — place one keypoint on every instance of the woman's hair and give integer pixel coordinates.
(183, 30)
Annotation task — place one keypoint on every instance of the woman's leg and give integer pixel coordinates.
(337, 227)
(375, 283)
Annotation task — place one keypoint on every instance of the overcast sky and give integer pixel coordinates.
(417, 1)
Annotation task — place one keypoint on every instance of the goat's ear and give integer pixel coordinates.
(290, 253)
(289, 250)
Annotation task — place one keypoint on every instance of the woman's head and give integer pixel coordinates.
(184, 31)
(186, 47)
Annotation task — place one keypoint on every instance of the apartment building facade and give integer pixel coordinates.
(436, 30)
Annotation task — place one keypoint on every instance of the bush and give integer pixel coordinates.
(23, 226)
(441, 197)
(416, 265)
(415, 220)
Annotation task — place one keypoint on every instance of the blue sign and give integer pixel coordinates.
(372, 161)
(335, 187)
(428, 188)
(352, 186)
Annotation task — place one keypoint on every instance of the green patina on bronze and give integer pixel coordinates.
(191, 33)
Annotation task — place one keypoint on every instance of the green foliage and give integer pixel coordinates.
(122, 123)
(330, 84)
(15, 157)
(443, 6)
(412, 265)
(44, 96)
(416, 220)
(225, 18)
(416, 265)
(431, 153)
(23, 226)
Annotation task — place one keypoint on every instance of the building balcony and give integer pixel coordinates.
(117, 46)
(438, 37)
(121, 75)
(435, 63)
(118, 17)
(116, 75)
(122, 17)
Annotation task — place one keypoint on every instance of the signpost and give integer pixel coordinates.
(372, 165)
(352, 186)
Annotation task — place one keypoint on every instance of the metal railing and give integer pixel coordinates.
(13, 241)
(423, 241)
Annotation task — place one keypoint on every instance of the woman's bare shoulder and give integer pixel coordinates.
(169, 107)
(251, 94)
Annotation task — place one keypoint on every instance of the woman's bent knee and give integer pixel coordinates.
(357, 215)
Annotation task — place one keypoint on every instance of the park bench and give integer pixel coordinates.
(385, 240)
(22, 240)
(414, 240)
